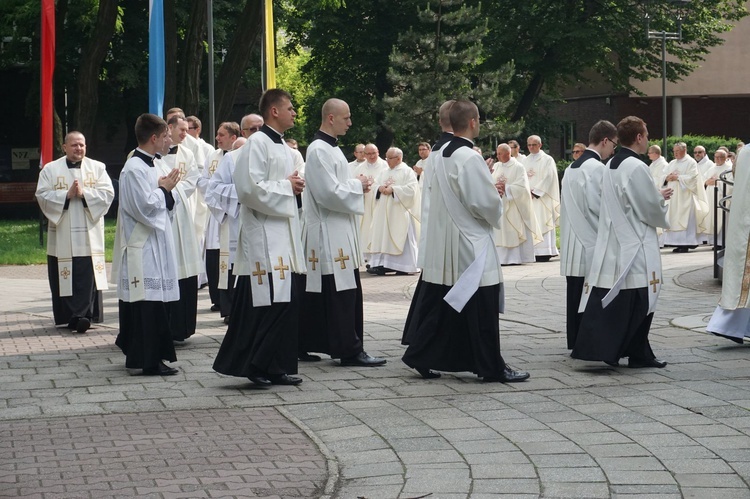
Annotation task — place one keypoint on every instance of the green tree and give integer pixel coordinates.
(439, 59)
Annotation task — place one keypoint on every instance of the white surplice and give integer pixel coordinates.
(75, 230)
(688, 206)
(333, 201)
(270, 239)
(223, 203)
(143, 208)
(371, 171)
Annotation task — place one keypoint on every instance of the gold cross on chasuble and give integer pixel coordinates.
(61, 184)
(183, 170)
(281, 268)
(65, 273)
(259, 273)
(212, 168)
(654, 281)
(341, 258)
(312, 259)
(90, 180)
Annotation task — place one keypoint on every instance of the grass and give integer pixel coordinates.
(19, 242)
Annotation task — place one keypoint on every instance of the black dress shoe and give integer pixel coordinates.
(638, 363)
(613, 364)
(376, 270)
(215, 308)
(363, 359)
(226, 320)
(285, 379)
(428, 373)
(542, 258)
(83, 325)
(260, 380)
(508, 376)
(308, 357)
(161, 370)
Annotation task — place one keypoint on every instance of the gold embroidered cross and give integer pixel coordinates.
(65, 273)
(223, 266)
(212, 168)
(135, 282)
(61, 184)
(313, 260)
(586, 286)
(259, 273)
(99, 267)
(654, 281)
(90, 180)
(341, 258)
(281, 268)
(183, 170)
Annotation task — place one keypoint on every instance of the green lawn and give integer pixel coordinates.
(19, 242)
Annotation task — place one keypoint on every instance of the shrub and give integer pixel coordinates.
(710, 143)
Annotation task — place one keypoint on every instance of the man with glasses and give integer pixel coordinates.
(194, 130)
(424, 151)
(578, 149)
(515, 150)
(625, 276)
(250, 124)
(370, 168)
(545, 196)
(579, 216)
(359, 156)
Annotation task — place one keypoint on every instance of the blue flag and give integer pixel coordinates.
(156, 71)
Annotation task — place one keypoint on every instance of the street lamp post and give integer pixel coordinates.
(664, 36)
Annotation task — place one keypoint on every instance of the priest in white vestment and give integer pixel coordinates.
(580, 202)
(370, 168)
(359, 156)
(658, 170)
(731, 319)
(195, 128)
(183, 313)
(545, 196)
(688, 207)
(261, 340)
(515, 151)
(74, 193)
(226, 136)
(395, 221)
(423, 149)
(519, 230)
(332, 316)
(144, 265)
(712, 181)
(455, 325)
(625, 273)
(224, 205)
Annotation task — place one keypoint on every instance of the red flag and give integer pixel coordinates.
(47, 74)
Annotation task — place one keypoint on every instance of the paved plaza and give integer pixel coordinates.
(75, 423)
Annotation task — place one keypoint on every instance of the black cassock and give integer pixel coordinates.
(260, 341)
(144, 336)
(440, 338)
(183, 313)
(85, 301)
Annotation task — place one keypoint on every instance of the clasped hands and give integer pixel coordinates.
(170, 180)
(298, 183)
(386, 188)
(366, 183)
(75, 191)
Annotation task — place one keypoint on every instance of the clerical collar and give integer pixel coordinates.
(144, 156)
(445, 137)
(71, 164)
(172, 150)
(328, 139)
(455, 144)
(272, 134)
(622, 154)
(585, 156)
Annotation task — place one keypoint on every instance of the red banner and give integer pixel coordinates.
(47, 75)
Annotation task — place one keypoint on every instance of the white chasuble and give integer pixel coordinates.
(579, 215)
(394, 213)
(658, 170)
(333, 201)
(425, 187)
(545, 189)
(77, 230)
(269, 240)
(735, 289)
(519, 222)
(627, 249)
(712, 174)
(688, 206)
(212, 225)
(371, 171)
(144, 262)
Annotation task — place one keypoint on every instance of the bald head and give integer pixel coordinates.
(503, 153)
(335, 117)
(238, 143)
(371, 153)
(250, 124)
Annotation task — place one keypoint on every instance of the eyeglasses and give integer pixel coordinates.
(533, 145)
(614, 142)
(577, 151)
(514, 147)
(251, 129)
(392, 157)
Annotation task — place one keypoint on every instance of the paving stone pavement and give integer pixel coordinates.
(74, 423)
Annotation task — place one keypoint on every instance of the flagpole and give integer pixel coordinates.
(269, 46)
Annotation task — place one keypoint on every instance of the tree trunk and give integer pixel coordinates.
(191, 59)
(249, 29)
(87, 102)
(527, 99)
(170, 56)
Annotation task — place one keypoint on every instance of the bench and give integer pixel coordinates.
(17, 193)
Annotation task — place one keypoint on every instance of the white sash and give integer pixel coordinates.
(630, 250)
(468, 282)
(224, 254)
(587, 236)
(134, 251)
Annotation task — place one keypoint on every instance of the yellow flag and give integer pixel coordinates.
(270, 46)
